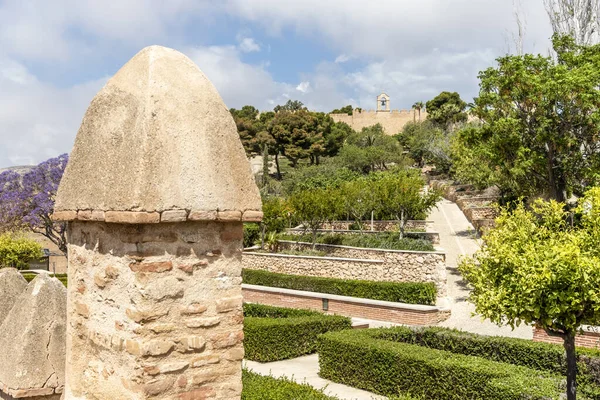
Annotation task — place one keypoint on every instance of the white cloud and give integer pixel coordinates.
(238, 83)
(303, 87)
(342, 58)
(38, 120)
(248, 45)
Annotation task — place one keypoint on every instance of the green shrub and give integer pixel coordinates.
(387, 240)
(251, 234)
(359, 358)
(527, 353)
(400, 292)
(16, 250)
(275, 333)
(258, 387)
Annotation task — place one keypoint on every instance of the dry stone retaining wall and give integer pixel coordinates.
(346, 262)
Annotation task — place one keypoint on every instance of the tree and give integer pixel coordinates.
(370, 149)
(291, 105)
(427, 143)
(27, 202)
(576, 18)
(16, 250)
(401, 195)
(446, 109)
(418, 106)
(344, 110)
(536, 267)
(359, 198)
(539, 122)
(315, 207)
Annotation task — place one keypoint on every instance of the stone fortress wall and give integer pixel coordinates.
(392, 121)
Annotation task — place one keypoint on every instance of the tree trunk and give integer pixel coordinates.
(569, 344)
(265, 176)
(402, 223)
(277, 165)
(557, 188)
(314, 238)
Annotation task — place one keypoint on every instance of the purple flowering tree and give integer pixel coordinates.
(27, 201)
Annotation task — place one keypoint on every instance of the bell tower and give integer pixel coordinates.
(383, 102)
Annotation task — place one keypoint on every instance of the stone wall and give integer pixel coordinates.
(383, 226)
(392, 121)
(398, 313)
(160, 309)
(477, 213)
(346, 262)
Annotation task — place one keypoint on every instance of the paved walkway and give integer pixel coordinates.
(457, 238)
(306, 370)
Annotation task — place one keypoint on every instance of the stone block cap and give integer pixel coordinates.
(157, 144)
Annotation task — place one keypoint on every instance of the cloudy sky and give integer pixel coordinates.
(55, 55)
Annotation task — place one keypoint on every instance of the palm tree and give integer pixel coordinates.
(418, 106)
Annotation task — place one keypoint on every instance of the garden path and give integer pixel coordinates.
(306, 370)
(457, 238)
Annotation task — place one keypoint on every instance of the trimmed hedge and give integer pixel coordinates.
(258, 387)
(527, 353)
(61, 277)
(359, 358)
(276, 333)
(400, 292)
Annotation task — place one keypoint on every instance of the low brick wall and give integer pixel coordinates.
(399, 313)
(433, 237)
(589, 338)
(476, 213)
(346, 262)
(382, 226)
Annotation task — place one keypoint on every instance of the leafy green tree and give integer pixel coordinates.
(539, 122)
(427, 144)
(401, 195)
(315, 207)
(446, 109)
(291, 105)
(359, 199)
(16, 250)
(371, 149)
(344, 110)
(536, 267)
(326, 175)
(249, 127)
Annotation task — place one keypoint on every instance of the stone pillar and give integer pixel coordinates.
(155, 192)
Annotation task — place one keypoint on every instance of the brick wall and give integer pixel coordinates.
(347, 308)
(587, 339)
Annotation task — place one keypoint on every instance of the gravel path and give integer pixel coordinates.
(457, 238)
